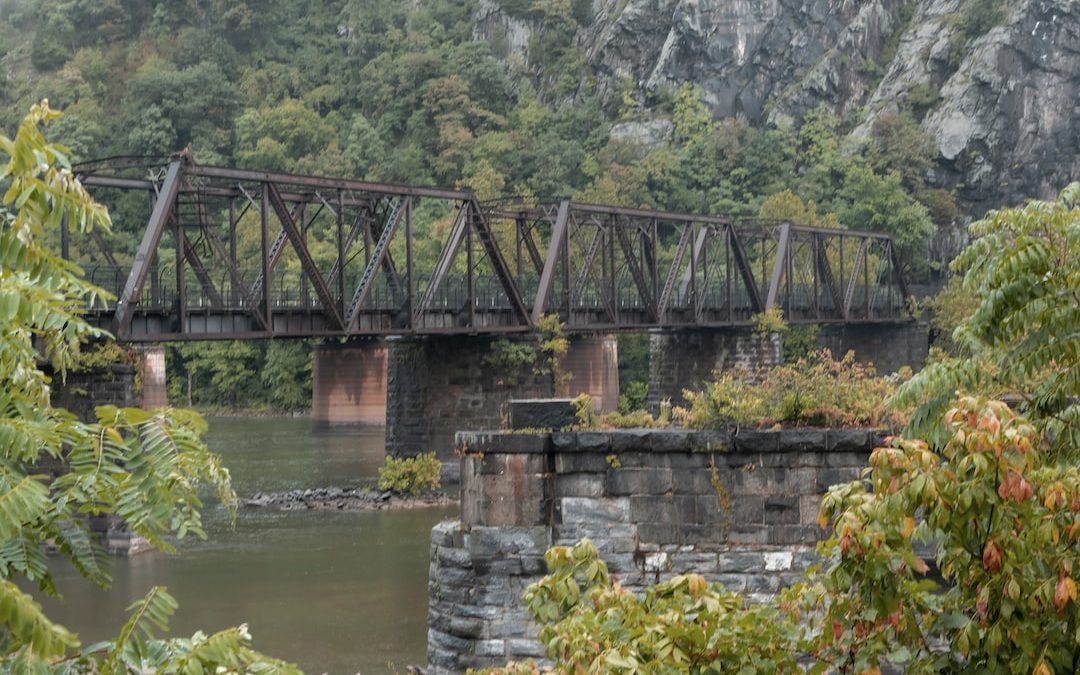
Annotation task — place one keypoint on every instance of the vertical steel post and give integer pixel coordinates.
(409, 285)
(341, 251)
(470, 282)
(181, 284)
(264, 242)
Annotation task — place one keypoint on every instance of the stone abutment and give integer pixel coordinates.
(741, 510)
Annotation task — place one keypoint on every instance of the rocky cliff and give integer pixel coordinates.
(995, 83)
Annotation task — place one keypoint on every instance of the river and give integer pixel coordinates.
(334, 592)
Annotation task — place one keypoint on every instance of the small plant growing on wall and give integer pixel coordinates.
(553, 347)
(410, 475)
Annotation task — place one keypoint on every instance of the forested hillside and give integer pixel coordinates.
(523, 97)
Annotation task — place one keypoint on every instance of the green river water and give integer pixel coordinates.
(334, 592)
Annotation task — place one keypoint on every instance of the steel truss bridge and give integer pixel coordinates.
(231, 253)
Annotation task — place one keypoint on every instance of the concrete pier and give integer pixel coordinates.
(349, 385)
(592, 362)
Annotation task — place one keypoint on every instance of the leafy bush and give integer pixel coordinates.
(635, 396)
(410, 475)
(146, 468)
(638, 419)
(1004, 520)
(1020, 335)
(817, 390)
(590, 624)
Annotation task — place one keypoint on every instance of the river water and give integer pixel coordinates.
(334, 592)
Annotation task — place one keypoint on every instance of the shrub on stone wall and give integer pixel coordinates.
(590, 624)
(410, 475)
(815, 391)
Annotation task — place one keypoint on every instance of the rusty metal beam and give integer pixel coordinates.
(277, 178)
(849, 294)
(742, 263)
(669, 283)
(554, 253)
(447, 256)
(498, 263)
(382, 246)
(306, 262)
(779, 265)
(125, 306)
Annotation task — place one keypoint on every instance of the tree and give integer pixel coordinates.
(1024, 335)
(1001, 516)
(145, 468)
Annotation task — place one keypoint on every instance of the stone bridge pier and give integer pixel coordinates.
(349, 384)
(439, 385)
(687, 359)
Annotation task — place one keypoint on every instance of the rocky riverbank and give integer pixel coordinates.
(345, 499)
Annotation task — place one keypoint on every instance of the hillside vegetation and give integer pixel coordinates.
(411, 92)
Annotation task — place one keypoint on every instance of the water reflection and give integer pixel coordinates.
(335, 592)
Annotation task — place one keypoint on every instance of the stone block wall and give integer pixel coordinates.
(438, 385)
(687, 359)
(738, 509)
(888, 346)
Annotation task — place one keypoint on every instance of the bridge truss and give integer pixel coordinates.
(231, 253)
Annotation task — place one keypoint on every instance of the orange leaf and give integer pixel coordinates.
(909, 526)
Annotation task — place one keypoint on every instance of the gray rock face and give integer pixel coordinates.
(1003, 106)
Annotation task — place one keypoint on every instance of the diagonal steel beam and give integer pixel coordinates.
(276, 249)
(586, 266)
(200, 271)
(498, 262)
(446, 259)
(636, 273)
(860, 260)
(673, 272)
(382, 247)
(779, 265)
(125, 306)
(898, 277)
(555, 247)
(824, 270)
(222, 255)
(534, 252)
(742, 263)
(699, 245)
(306, 262)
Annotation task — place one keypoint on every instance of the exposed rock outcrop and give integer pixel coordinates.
(1002, 107)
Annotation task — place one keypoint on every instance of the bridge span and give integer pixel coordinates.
(412, 286)
(230, 253)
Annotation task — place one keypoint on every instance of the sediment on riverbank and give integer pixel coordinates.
(346, 499)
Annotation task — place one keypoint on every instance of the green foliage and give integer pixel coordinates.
(769, 321)
(817, 390)
(635, 397)
(590, 624)
(1023, 271)
(948, 309)
(410, 475)
(1000, 514)
(552, 347)
(509, 358)
(584, 412)
(800, 341)
(400, 91)
(638, 419)
(144, 467)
